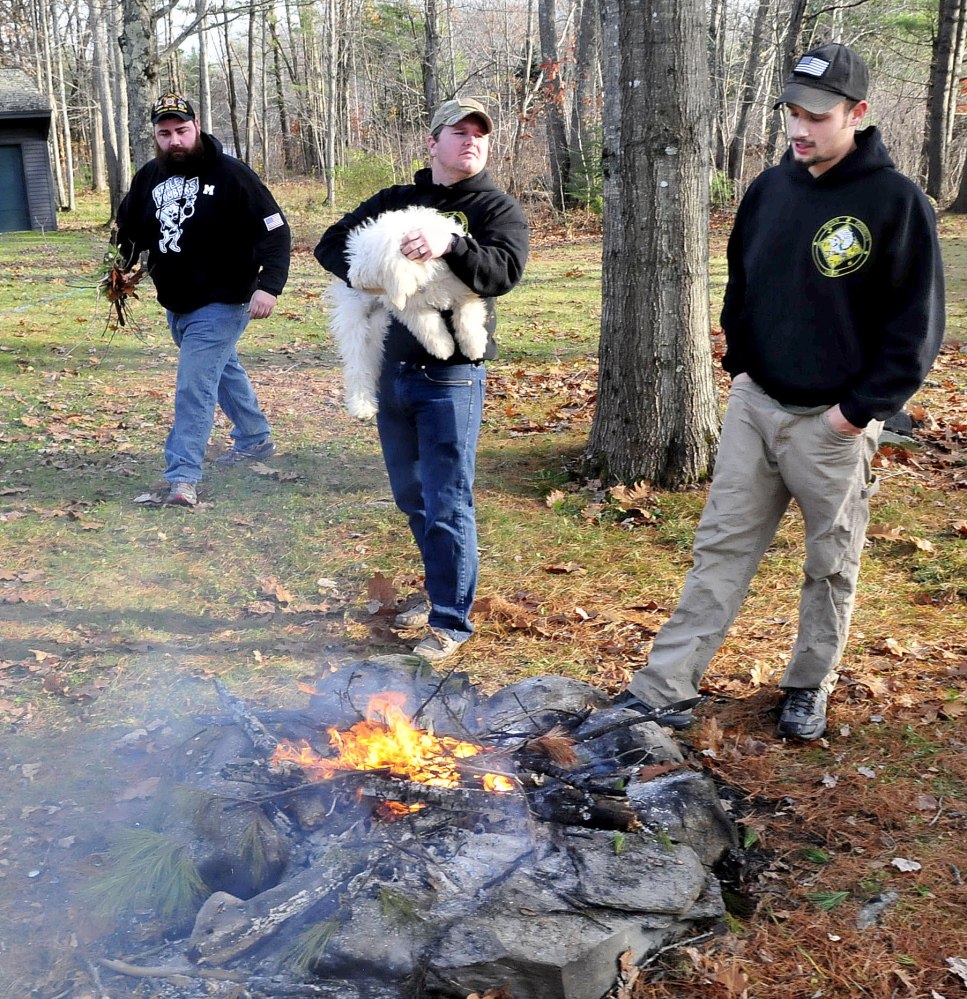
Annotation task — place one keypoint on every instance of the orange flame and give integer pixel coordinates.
(387, 740)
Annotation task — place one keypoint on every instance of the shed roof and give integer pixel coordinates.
(19, 96)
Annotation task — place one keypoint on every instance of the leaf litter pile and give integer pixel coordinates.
(851, 877)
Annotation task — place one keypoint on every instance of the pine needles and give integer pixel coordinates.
(148, 870)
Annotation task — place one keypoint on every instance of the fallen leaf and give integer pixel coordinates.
(927, 803)
(554, 497)
(958, 966)
(866, 772)
(885, 532)
(381, 590)
(902, 864)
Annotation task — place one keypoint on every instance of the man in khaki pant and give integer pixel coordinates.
(833, 316)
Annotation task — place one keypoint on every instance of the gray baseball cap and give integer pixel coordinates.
(452, 112)
(825, 77)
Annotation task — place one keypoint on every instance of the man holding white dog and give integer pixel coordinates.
(430, 409)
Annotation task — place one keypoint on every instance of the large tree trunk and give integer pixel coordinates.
(657, 414)
(139, 49)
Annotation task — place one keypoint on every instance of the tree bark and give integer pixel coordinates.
(657, 414)
(553, 103)
(431, 56)
(583, 167)
(750, 86)
(944, 83)
(139, 49)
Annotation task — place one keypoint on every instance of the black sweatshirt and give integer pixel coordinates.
(489, 260)
(835, 291)
(216, 237)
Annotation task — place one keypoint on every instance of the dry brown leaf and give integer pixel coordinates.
(884, 531)
(554, 497)
(381, 588)
(922, 544)
(631, 499)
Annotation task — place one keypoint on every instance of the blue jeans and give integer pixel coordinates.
(429, 420)
(209, 372)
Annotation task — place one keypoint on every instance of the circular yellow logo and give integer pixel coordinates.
(841, 246)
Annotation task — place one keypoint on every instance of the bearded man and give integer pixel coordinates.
(218, 252)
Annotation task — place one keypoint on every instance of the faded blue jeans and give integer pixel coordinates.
(209, 372)
(429, 421)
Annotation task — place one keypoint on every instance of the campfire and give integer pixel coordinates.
(406, 835)
(387, 741)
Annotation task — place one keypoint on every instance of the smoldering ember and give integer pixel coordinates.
(405, 835)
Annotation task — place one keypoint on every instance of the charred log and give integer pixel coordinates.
(262, 739)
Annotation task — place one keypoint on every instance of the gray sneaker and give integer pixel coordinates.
(437, 646)
(804, 711)
(257, 452)
(417, 616)
(182, 494)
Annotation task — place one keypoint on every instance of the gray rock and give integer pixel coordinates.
(535, 705)
(633, 744)
(641, 876)
(685, 806)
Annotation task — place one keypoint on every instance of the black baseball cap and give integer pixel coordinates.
(171, 105)
(824, 77)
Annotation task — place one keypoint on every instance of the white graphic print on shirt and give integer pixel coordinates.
(175, 199)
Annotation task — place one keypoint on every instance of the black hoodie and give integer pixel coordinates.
(835, 291)
(216, 237)
(489, 260)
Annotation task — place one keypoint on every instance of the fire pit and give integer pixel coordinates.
(405, 835)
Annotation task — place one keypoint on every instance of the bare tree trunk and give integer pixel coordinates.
(431, 56)
(250, 92)
(119, 93)
(790, 50)
(749, 89)
(657, 412)
(230, 81)
(526, 99)
(204, 77)
(944, 84)
(332, 97)
(553, 103)
(280, 106)
(718, 17)
(583, 112)
(139, 49)
(66, 126)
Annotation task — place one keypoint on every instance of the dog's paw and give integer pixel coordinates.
(361, 409)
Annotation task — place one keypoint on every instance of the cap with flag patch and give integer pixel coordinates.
(171, 105)
(824, 77)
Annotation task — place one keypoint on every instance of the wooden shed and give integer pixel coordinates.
(27, 199)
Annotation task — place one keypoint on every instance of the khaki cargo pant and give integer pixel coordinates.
(767, 457)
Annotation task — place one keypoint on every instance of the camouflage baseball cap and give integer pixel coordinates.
(452, 112)
(171, 105)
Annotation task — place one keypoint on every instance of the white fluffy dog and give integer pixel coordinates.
(413, 291)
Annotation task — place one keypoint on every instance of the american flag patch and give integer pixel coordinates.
(274, 221)
(811, 66)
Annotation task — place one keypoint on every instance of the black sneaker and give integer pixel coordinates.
(257, 452)
(804, 712)
(676, 718)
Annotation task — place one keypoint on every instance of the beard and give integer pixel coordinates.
(186, 163)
